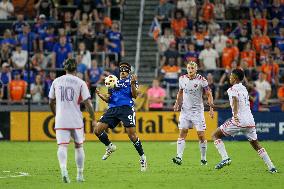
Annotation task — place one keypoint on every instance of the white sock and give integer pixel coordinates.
(143, 157)
(62, 158)
(80, 158)
(221, 148)
(203, 149)
(180, 147)
(263, 154)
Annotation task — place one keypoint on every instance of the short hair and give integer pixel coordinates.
(70, 65)
(239, 73)
(125, 64)
(192, 63)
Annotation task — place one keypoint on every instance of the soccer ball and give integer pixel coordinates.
(111, 81)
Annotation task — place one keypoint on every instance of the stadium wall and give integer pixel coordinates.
(151, 126)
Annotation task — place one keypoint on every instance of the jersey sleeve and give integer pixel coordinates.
(51, 94)
(85, 92)
(233, 92)
(204, 84)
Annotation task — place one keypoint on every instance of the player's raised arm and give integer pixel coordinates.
(104, 97)
(178, 102)
(134, 86)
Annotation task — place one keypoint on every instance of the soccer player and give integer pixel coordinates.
(66, 94)
(190, 102)
(242, 121)
(120, 100)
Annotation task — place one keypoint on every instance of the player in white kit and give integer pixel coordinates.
(242, 121)
(66, 94)
(190, 102)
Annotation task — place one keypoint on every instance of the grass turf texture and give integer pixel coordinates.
(122, 169)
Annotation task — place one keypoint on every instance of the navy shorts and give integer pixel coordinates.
(114, 115)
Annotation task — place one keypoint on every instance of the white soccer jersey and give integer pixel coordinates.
(193, 92)
(244, 113)
(69, 91)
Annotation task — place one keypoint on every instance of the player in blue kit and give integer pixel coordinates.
(121, 109)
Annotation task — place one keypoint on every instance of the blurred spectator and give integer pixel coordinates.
(258, 6)
(6, 10)
(19, 24)
(278, 56)
(17, 89)
(85, 55)
(69, 25)
(213, 28)
(5, 54)
(163, 13)
(1, 90)
(230, 54)
(170, 71)
(40, 26)
(260, 23)
(88, 7)
(5, 77)
(243, 38)
(274, 27)
(39, 61)
(100, 39)
(85, 31)
(81, 67)
(95, 77)
(263, 88)
(61, 51)
(46, 7)
(219, 41)
(209, 58)
(272, 70)
(280, 95)
(37, 90)
(192, 54)
(207, 11)
(182, 42)
(33, 73)
(178, 23)
(19, 57)
(263, 56)
(200, 36)
(164, 40)
(279, 41)
(47, 83)
(211, 84)
(8, 39)
(232, 9)
(219, 10)
(116, 6)
(224, 84)
(156, 96)
(115, 43)
(276, 10)
(27, 39)
(171, 53)
(47, 39)
(248, 57)
(188, 7)
(253, 97)
(113, 69)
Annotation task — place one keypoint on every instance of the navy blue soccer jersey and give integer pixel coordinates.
(121, 95)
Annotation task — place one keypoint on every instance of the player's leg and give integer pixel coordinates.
(180, 146)
(78, 136)
(63, 139)
(252, 136)
(200, 125)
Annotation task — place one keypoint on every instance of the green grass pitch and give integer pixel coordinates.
(122, 169)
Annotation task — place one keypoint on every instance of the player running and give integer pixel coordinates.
(121, 109)
(190, 102)
(242, 121)
(65, 95)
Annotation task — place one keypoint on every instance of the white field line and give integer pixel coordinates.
(15, 175)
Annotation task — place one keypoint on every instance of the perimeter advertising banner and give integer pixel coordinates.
(269, 125)
(151, 126)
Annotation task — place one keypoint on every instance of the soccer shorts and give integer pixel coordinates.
(64, 136)
(114, 115)
(231, 129)
(188, 120)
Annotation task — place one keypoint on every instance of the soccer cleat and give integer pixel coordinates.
(80, 178)
(203, 162)
(273, 170)
(65, 177)
(109, 151)
(143, 163)
(177, 160)
(223, 163)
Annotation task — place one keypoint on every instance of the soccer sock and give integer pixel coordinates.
(104, 138)
(62, 158)
(180, 147)
(138, 147)
(263, 154)
(221, 148)
(203, 149)
(80, 158)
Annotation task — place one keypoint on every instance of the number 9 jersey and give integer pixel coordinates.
(69, 91)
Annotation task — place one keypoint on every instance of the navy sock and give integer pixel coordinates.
(104, 139)
(138, 147)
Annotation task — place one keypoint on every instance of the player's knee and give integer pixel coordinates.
(78, 145)
(98, 131)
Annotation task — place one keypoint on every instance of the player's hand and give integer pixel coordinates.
(133, 79)
(176, 107)
(211, 113)
(94, 124)
(97, 91)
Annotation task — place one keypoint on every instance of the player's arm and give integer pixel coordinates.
(104, 97)
(179, 99)
(90, 108)
(52, 105)
(134, 88)
(210, 100)
(235, 108)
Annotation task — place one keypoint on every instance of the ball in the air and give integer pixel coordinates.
(111, 81)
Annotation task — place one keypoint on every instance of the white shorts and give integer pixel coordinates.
(230, 129)
(64, 136)
(188, 120)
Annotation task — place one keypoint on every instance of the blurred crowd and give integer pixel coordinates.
(221, 35)
(51, 31)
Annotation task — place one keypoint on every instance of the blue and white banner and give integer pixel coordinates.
(269, 125)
